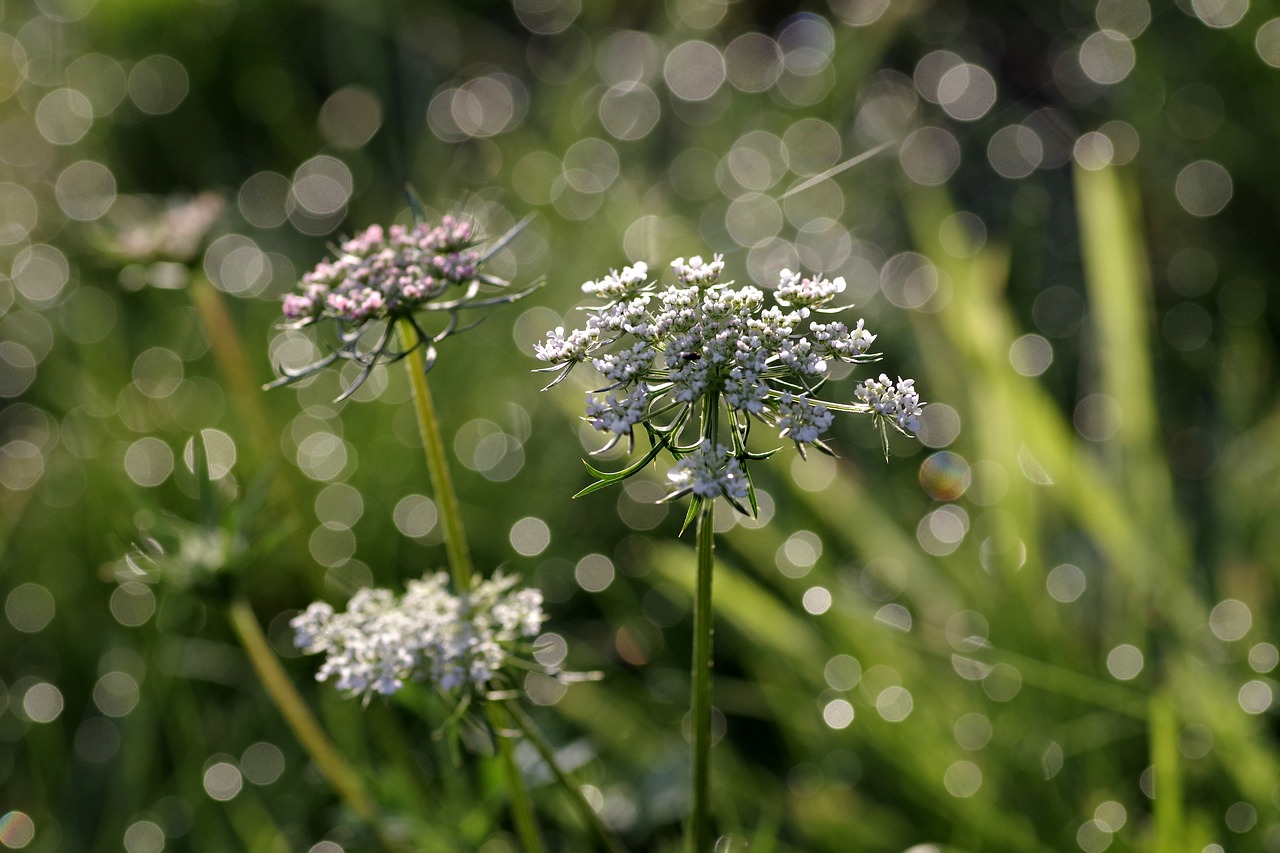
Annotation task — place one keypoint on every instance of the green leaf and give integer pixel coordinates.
(415, 204)
(694, 505)
(608, 478)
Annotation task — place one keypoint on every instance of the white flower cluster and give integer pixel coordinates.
(899, 403)
(709, 472)
(429, 634)
(663, 351)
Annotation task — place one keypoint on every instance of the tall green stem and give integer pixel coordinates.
(703, 630)
(521, 806)
(1163, 738)
(228, 352)
(548, 755)
(455, 543)
(345, 781)
(455, 540)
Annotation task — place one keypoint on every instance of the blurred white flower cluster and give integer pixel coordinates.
(663, 353)
(428, 634)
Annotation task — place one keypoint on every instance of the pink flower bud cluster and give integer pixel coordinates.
(386, 273)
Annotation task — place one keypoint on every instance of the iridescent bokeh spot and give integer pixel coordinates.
(944, 476)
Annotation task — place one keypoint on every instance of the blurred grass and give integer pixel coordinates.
(1166, 518)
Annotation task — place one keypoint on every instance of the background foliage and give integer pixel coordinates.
(1011, 647)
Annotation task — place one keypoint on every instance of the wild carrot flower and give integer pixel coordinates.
(383, 275)
(663, 353)
(429, 634)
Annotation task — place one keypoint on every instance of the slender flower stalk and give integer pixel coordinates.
(534, 736)
(521, 806)
(703, 660)
(701, 346)
(344, 779)
(433, 446)
(232, 362)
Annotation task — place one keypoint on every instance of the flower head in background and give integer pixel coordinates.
(381, 276)
(147, 229)
(699, 346)
(454, 642)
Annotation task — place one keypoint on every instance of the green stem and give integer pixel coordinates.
(1167, 779)
(455, 540)
(521, 806)
(548, 755)
(703, 630)
(245, 392)
(298, 716)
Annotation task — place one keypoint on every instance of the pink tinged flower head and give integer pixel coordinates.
(405, 267)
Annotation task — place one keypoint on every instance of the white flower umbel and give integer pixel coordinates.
(898, 403)
(663, 352)
(692, 363)
(429, 634)
(706, 473)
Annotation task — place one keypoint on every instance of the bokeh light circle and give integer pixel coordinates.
(1220, 14)
(694, 70)
(939, 425)
(944, 476)
(223, 781)
(1130, 18)
(64, 116)
(1125, 662)
(1015, 151)
(1255, 696)
(29, 607)
(21, 213)
(43, 702)
(17, 830)
(838, 714)
(807, 42)
(1230, 620)
(85, 190)
(148, 461)
(13, 65)
(1203, 188)
(859, 13)
(629, 111)
(1094, 150)
(962, 779)
(1065, 583)
(930, 156)
(144, 836)
(350, 117)
(752, 62)
(1267, 42)
(530, 536)
(967, 92)
(1031, 355)
(1107, 57)
(158, 84)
